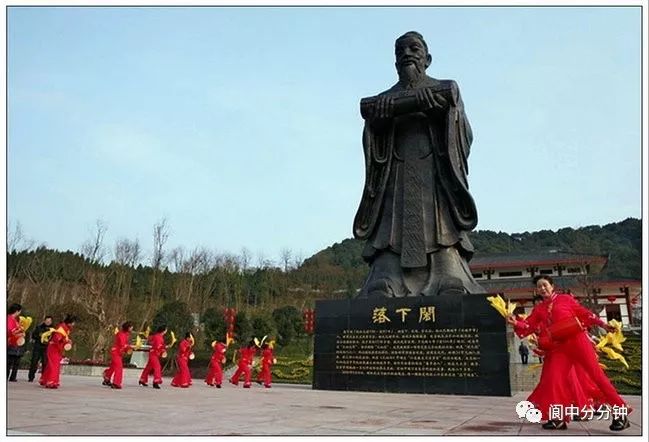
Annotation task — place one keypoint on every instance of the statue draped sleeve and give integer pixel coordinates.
(378, 150)
(454, 166)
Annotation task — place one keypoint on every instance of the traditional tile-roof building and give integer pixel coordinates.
(580, 274)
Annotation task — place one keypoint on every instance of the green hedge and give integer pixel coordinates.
(627, 381)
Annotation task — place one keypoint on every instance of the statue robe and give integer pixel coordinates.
(416, 198)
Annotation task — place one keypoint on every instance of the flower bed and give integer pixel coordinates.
(88, 362)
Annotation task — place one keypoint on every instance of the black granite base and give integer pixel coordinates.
(441, 344)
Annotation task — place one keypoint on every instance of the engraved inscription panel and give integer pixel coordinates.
(445, 352)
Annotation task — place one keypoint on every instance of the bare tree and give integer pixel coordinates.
(246, 256)
(177, 258)
(93, 248)
(588, 285)
(93, 299)
(298, 259)
(16, 240)
(160, 237)
(127, 252)
(261, 259)
(285, 255)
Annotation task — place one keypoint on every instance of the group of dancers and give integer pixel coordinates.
(58, 340)
(113, 375)
(571, 375)
(55, 340)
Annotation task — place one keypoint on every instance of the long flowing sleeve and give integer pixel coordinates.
(585, 316)
(529, 325)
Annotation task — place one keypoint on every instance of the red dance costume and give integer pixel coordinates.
(157, 343)
(55, 348)
(116, 370)
(267, 360)
(246, 356)
(567, 361)
(183, 377)
(14, 331)
(215, 373)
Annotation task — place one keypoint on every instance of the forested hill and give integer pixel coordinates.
(622, 241)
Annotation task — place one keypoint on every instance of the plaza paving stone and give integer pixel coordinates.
(81, 406)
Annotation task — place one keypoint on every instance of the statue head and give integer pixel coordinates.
(411, 55)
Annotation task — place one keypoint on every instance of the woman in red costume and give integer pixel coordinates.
(215, 373)
(59, 342)
(246, 355)
(157, 350)
(562, 323)
(267, 361)
(120, 347)
(15, 340)
(183, 377)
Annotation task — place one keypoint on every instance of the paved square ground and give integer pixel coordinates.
(82, 406)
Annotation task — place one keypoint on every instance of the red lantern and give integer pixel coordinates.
(309, 316)
(611, 298)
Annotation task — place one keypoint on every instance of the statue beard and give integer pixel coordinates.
(410, 74)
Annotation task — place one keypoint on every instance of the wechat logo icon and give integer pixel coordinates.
(525, 409)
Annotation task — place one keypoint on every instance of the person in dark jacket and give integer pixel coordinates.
(524, 352)
(38, 348)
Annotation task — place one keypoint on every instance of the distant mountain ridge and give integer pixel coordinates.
(621, 241)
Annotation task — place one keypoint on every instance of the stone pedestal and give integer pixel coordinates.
(436, 344)
(139, 358)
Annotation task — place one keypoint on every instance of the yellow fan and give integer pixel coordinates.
(138, 342)
(534, 366)
(271, 344)
(613, 355)
(228, 339)
(173, 339)
(116, 330)
(46, 335)
(257, 343)
(25, 322)
(62, 331)
(505, 309)
(213, 344)
(615, 340)
(191, 338)
(146, 332)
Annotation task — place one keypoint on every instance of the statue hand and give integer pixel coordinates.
(430, 101)
(384, 108)
(440, 101)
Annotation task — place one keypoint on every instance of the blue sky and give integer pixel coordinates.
(241, 125)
